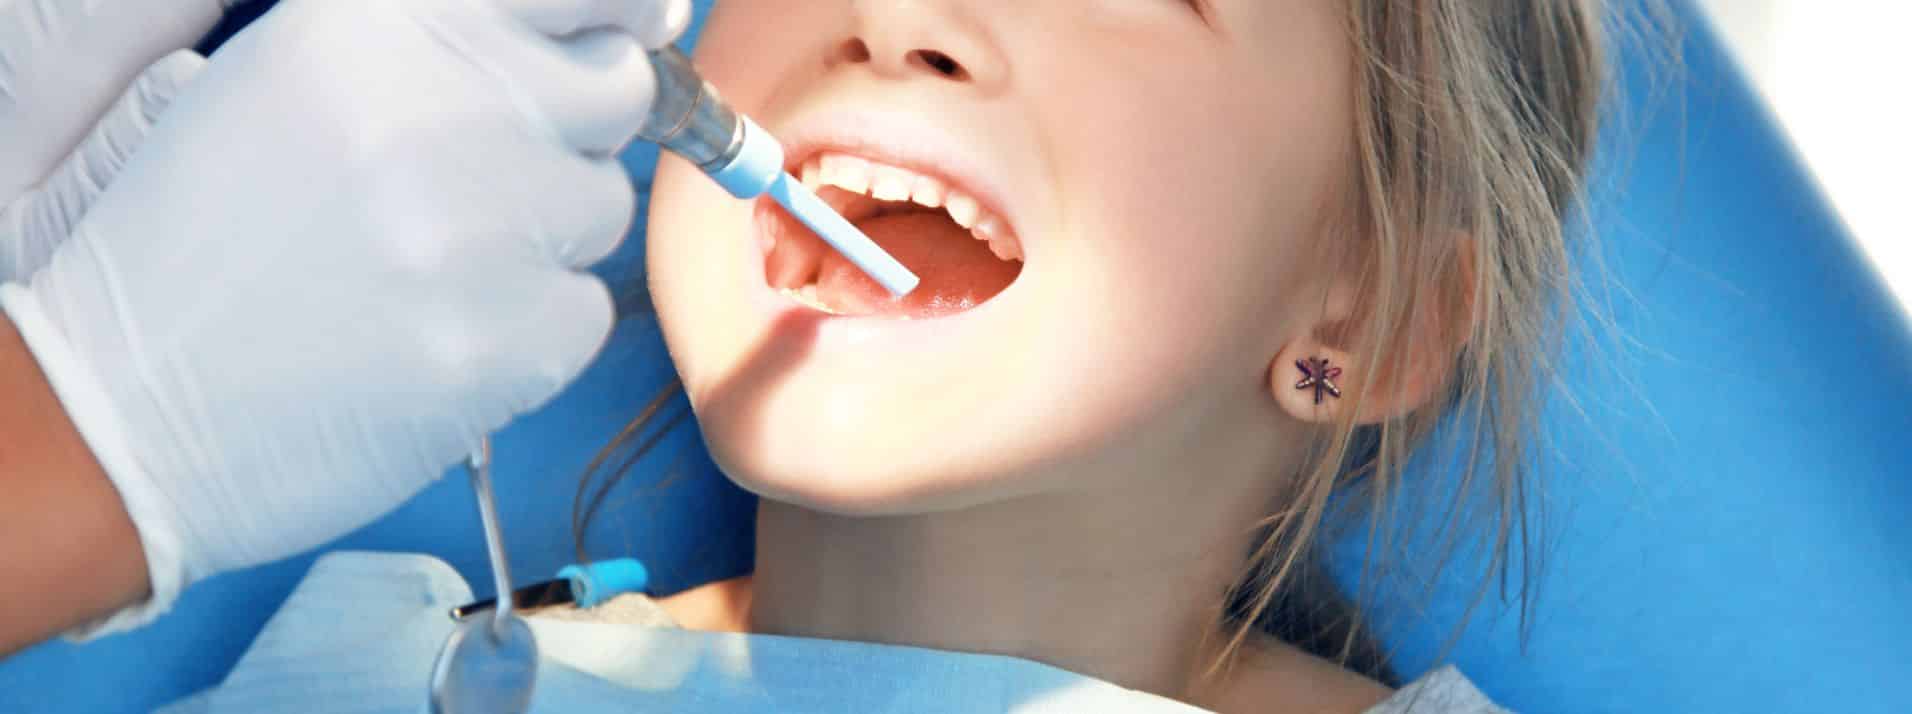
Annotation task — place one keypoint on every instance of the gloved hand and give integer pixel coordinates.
(61, 65)
(352, 248)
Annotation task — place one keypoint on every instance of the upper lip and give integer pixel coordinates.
(900, 139)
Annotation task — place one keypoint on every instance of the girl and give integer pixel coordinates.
(1189, 268)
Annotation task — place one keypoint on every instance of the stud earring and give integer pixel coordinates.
(1316, 373)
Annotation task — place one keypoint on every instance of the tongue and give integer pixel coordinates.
(958, 271)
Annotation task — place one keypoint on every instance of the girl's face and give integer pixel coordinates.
(1148, 179)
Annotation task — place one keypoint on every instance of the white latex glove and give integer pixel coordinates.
(62, 63)
(352, 249)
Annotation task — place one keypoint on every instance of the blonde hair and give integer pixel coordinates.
(1475, 123)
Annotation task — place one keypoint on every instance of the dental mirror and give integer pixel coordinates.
(490, 663)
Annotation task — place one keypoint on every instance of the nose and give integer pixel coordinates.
(935, 39)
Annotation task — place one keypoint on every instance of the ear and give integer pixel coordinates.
(1327, 371)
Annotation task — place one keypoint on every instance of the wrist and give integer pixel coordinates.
(92, 407)
(67, 542)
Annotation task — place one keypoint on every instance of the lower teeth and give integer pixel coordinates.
(808, 297)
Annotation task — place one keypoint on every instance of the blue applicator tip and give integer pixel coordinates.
(843, 236)
(690, 120)
(754, 167)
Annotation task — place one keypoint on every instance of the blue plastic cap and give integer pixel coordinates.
(600, 581)
(758, 164)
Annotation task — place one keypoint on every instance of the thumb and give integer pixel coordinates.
(33, 226)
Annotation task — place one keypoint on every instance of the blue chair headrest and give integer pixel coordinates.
(1726, 469)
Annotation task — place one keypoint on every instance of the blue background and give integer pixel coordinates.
(1726, 467)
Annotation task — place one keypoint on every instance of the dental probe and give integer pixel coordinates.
(688, 118)
(490, 665)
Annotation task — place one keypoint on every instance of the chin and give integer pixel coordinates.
(846, 481)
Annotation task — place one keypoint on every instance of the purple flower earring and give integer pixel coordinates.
(1316, 373)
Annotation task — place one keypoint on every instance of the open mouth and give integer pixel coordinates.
(964, 252)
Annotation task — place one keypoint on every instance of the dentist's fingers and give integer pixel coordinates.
(91, 167)
(569, 316)
(585, 67)
(33, 226)
(591, 91)
(63, 63)
(653, 23)
(167, 24)
(611, 90)
(584, 208)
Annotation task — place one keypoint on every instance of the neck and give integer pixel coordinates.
(1118, 585)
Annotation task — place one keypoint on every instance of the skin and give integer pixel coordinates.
(1075, 476)
(70, 549)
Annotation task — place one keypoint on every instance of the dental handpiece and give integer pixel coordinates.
(689, 119)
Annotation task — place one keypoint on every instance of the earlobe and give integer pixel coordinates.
(1315, 383)
(1316, 377)
(1307, 381)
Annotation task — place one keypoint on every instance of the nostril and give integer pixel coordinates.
(854, 51)
(943, 64)
(858, 51)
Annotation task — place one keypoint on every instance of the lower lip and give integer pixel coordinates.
(857, 331)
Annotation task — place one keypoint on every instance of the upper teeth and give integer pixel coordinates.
(889, 183)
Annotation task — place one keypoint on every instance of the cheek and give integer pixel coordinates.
(748, 46)
(1194, 215)
(669, 253)
(698, 252)
(1197, 240)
